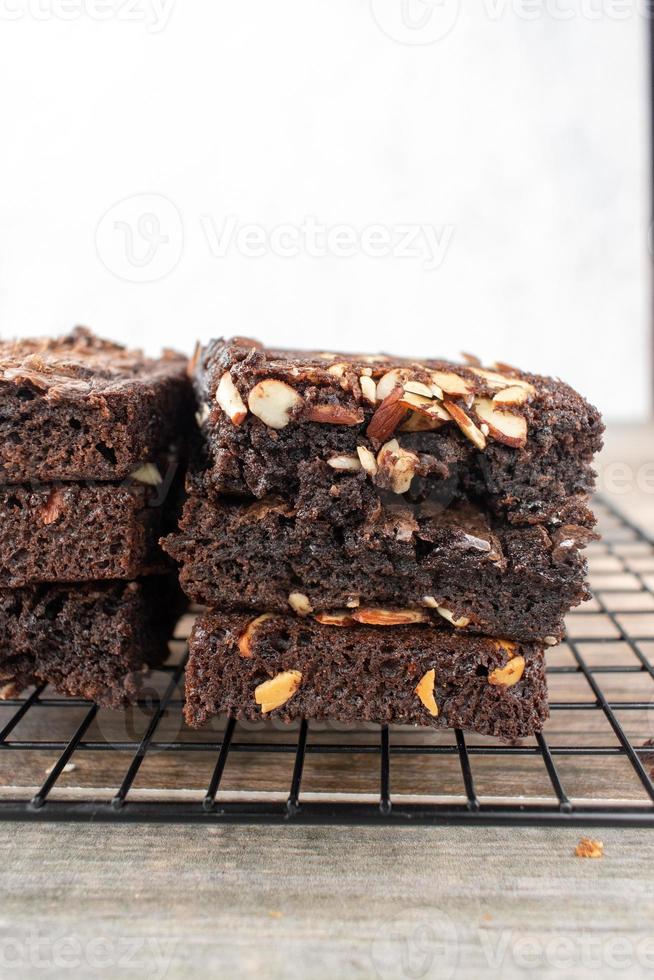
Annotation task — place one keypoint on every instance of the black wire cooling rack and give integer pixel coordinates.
(594, 764)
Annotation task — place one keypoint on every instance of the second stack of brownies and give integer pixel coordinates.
(380, 539)
(89, 433)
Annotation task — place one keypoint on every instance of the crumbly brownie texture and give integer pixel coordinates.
(456, 566)
(416, 675)
(92, 641)
(521, 444)
(73, 532)
(79, 408)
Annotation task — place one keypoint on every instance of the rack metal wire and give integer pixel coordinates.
(593, 764)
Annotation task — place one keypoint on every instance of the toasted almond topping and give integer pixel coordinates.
(348, 463)
(430, 602)
(484, 428)
(418, 388)
(450, 383)
(387, 417)
(245, 639)
(273, 402)
(397, 466)
(300, 604)
(334, 618)
(425, 691)
(500, 382)
(53, 507)
(449, 616)
(354, 602)
(230, 401)
(388, 617)
(278, 690)
(551, 641)
(417, 422)
(368, 389)
(367, 459)
(589, 848)
(511, 430)
(429, 407)
(466, 425)
(338, 370)
(470, 358)
(148, 473)
(333, 415)
(392, 379)
(511, 396)
(8, 691)
(508, 675)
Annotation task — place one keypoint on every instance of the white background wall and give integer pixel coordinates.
(507, 138)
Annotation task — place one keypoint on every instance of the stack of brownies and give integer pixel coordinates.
(89, 434)
(380, 539)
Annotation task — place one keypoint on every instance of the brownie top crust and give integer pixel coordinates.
(80, 364)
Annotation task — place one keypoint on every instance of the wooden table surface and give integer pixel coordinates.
(295, 901)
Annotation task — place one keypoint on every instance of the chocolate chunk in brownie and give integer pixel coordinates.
(73, 532)
(78, 408)
(287, 668)
(518, 443)
(457, 564)
(92, 641)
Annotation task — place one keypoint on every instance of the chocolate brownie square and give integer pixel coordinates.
(92, 641)
(459, 565)
(74, 532)
(273, 421)
(82, 408)
(286, 668)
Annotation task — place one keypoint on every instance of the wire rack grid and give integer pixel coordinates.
(593, 764)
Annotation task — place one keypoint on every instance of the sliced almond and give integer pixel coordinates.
(333, 618)
(460, 623)
(338, 370)
(333, 415)
(273, 402)
(451, 383)
(508, 675)
(396, 467)
(278, 690)
(202, 414)
(388, 416)
(430, 602)
(367, 459)
(368, 389)
(551, 641)
(8, 691)
(347, 463)
(425, 691)
(500, 381)
(508, 647)
(354, 602)
(511, 430)
(245, 639)
(392, 379)
(230, 401)
(418, 388)
(149, 474)
(53, 507)
(429, 407)
(465, 423)
(388, 617)
(299, 603)
(515, 395)
(417, 422)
